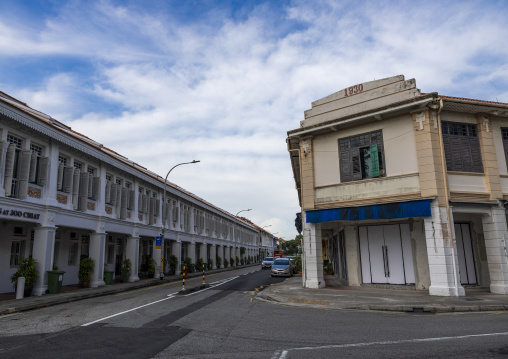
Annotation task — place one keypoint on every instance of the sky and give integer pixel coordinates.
(169, 81)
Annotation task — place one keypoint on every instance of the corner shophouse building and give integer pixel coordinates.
(403, 188)
(64, 197)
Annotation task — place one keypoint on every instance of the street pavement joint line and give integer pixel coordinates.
(202, 290)
(127, 311)
(285, 352)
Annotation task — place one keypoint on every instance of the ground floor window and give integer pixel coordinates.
(17, 251)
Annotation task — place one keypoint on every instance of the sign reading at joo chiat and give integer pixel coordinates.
(15, 213)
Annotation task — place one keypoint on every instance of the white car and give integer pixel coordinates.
(267, 262)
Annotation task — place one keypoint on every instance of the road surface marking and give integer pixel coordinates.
(130, 310)
(285, 352)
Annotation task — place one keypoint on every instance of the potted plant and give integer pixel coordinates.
(199, 264)
(232, 261)
(108, 275)
(298, 262)
(126, 269)
(150, 269)
(329, 268)
(173, 263)
(86, 266)
(55, 278)
(209, 265)
(27, 269)
(189, 265)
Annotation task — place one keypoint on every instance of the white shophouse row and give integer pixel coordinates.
(64, 196)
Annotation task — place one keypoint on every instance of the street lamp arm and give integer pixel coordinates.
(243, 210)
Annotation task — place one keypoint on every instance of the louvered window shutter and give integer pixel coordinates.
(107, 195)
(75, 187)
(43, 171)
(157, 207)
(175, 214)
(83, 191)
(346, 174)
(9, 169)
(151, 211)
(145, 203)
(166, 211)
(68, 179)
(123, 208)
(96, 190)
(355, 164)
(32, 176)
(24, 172)
(90, 186)
(113, 194)
(140, 202)
(2, 150)
(476, 155)
(60, 177)
(118, 196)
(132, 198)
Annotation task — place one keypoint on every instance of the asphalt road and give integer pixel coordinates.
(225, 321)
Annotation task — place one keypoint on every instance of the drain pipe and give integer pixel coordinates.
(451, 230)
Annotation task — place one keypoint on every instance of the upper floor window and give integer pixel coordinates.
(462, 147)
(78, 165)
(361, 156)
(504, 134)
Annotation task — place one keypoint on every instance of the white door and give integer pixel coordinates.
(377, 249)
(465, 254)
(386, 255)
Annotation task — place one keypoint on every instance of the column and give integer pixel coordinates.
(43, 250)
(227, 254)
(313, 261)
(202, 251)
(220, 253)
(97, 251)
(176, 249)
(132, 253)
(443, 261)
(191, 252)
(494, 229)
(213, 255)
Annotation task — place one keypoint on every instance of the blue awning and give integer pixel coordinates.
(420, 208)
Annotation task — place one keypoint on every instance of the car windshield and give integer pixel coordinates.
(268, 259)
(282, 262)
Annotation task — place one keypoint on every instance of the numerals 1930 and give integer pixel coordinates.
(353, 90)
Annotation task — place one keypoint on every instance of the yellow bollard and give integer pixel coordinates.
(203, 274)
(183, 285)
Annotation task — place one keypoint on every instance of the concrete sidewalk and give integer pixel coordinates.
(337, 296)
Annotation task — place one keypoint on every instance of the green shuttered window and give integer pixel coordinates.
(361, 156)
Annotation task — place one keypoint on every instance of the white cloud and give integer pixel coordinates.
(225, 91)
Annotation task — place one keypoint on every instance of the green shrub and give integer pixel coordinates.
(27, 269)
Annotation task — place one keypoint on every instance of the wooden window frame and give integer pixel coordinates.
(350, 155)
(462, 147)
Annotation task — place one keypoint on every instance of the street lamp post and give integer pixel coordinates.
(161, 273)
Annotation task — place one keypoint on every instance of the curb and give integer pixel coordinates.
(48, 300)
